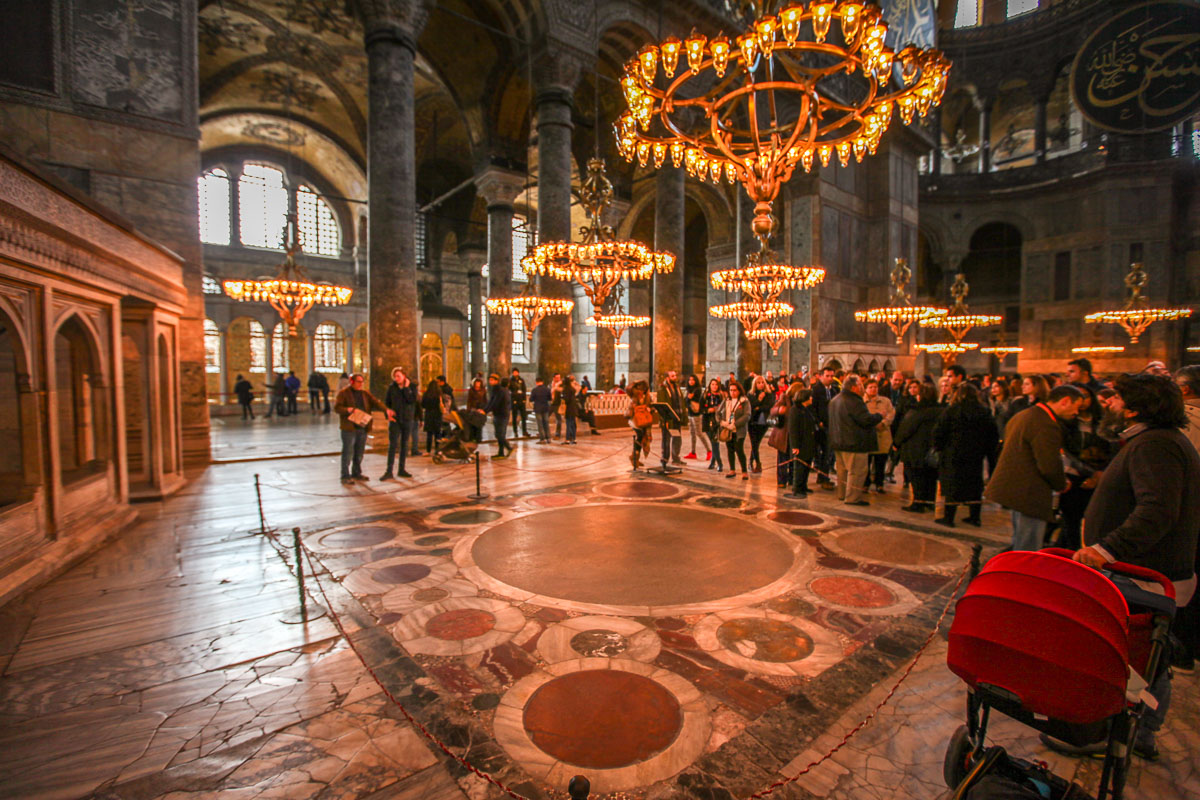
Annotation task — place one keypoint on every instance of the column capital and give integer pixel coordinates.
(499, 186)
(398, 21)
(473, 256)
(557, 68)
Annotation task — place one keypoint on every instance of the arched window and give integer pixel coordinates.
(212, 347)
(214, 204)
(318, 229)
(518, 342)
(1016, 7)
(329, 348)
(968, 14)
(258, 347)
(279, 349)
(262, 206)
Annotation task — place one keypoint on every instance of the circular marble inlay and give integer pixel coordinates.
(460, 623)
(765, 639)
(629, 718)
(470, 516)
(640, 490)
(401, 573)
(428, 541)
(552, 500)
(637, 555)
(897, 547)
(855, 592)
(407, 598)
(356, 538)
(801, 519)
(599, 643)
(430, 595)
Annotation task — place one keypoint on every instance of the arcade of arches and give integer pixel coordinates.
(686, 634)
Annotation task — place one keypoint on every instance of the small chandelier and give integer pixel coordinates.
(776, 336)
(1136, 316)
(764, 281)
(617, 324)
(752, 313)
(600, 262)
(753, 109)
(1098, 350)
(959, 321)
(1001, 349)
(290, 292)
(903, 313)
(949, 351)
(531, 308)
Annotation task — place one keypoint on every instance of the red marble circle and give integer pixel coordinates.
(460, 624)
(357, 537)
(640, 490)
(856, 592)
(602, 719)
(553, 500)
(798, 518)
(401, 573)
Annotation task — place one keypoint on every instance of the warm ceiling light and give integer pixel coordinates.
(1136, 317)
(776, 336)
(959, 321)
(903, 313)
(752, 313)
(531, 308)
(1098, 349)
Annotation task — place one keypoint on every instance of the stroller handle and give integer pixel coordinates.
(1121, 568)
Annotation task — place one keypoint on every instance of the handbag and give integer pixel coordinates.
(724, 435)
(778, 439)
(694, 406)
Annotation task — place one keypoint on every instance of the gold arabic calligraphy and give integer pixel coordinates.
(1155, 65)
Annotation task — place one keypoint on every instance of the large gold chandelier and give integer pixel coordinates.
(902, 313)
(600, 262)
(792, 90)
(290, 292)
(775, 336)
(1137, 316)
(753, 313)
(959, 322)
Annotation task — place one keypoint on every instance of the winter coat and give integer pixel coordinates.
(738, 414)
(244, 391)
(402, 400)
(964, 436)
(540, 397)
(914, 437)
(672, 394)
(822, 397)
(499, 405)
(431, 404)
(851, 425)
(347, 400)
(1030, 469)
(802, 432)
(882, 405)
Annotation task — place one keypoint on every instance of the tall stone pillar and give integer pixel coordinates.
(390, 31)
(1039, 129)
(473, 258)
(985, 135)
(936, 156)
(500, 188)
(668, 288)
(558, 74)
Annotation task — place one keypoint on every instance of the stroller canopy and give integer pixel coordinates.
(1051, 631)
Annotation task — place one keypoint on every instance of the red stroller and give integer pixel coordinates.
(1054, 645)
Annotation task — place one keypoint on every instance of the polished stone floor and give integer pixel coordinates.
(684, 636)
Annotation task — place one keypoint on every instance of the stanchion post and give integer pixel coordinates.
(579, 788)
(479, 495)
(262, 520)
(300, 576)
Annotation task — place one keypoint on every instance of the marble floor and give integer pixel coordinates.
(673, 636)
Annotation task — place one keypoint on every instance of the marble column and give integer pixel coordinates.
(936, 165)
(668, 288)
(500, 188)
(554, 129)
(985, 136)
(391, 46)
(1039, 129)
(473, 258)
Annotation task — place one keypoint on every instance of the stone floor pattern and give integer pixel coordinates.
(682, 636)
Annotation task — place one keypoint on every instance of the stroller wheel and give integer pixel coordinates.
(958, 757)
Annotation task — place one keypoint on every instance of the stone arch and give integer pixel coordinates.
(17, 429)
(80, 407)
(858, 367)
(455, 360)
(992, 264)
(432, 357)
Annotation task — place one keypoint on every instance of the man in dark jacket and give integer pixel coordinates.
(802, 439)
(314, 392)
(292, 385)
(354, 435)
(1030, 469)
(824, 390)
(499, 405)
(245, 396)
(540, 398)
(852, 437)
(669, 392)
(1146, 509)
(401, 400)
(516, 387)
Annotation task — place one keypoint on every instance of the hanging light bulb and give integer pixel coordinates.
(822, 15)
(695, 51)
(789, 23)
(648, 56)
(748, 43)
(765, 31)
(670, 56)
(851, 18)
(720, 55)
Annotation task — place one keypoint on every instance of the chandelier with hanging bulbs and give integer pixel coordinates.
(1137, 315)
(792, 90)
(902, 313)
